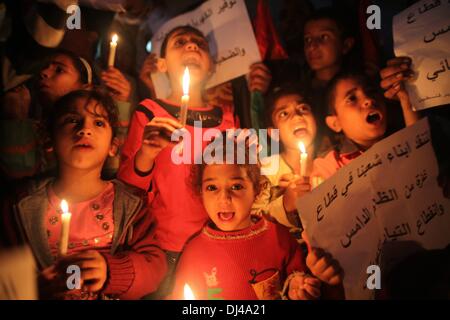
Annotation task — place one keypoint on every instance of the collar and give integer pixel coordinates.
(255, 229)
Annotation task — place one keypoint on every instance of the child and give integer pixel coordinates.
(328, 42)
(239, 256)
(357, 111)
(289, 112)
(146, 154)
(25, 152)
(111, 235)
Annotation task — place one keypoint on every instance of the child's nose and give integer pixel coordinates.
(224, 197)
(369, 102)
(191, 46)
(45, 73)
(85, 130)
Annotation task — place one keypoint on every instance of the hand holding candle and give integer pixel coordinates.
(65, 225)
(303, 159)
(112, 50)
(185, 98)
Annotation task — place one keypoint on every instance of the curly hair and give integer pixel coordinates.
(249, 162)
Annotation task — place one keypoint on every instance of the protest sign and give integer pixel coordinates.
(389, 195)
(227, 26)
(422, 32)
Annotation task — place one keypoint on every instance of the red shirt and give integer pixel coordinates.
(334, 160)
(249, 264)
(179, 213)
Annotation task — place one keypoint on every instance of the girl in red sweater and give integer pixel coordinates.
(237, 255)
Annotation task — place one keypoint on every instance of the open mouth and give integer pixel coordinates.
(83, 146)
(300, 132)
(191, 61)
(226, 216)
(373, 117)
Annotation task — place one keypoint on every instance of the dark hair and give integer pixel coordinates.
(344, 18)
(78, 64)
(251, 164)
(186, 28)
(279, 92)
(66, 103)
(370, 88)
(344, 25)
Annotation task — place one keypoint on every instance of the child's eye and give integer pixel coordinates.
(307, 40)
(304, 109)
(237, 186)
(211, 187)
(99, 123)
(180, 42)
(351, 99)
(324, 37)
(58, 69)
(283, 114)
(201, 44)
(71, 120)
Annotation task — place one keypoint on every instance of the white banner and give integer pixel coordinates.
(422, 32)
(227, 26)
(385, 199)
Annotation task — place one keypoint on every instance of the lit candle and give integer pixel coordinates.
(65, 224)
(185, 98)
(188, 294)
(112, 50)
(303, 159)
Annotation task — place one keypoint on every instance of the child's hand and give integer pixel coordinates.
(120, 87)
(93, 269)
(393, 79)
(259, 78)
(397, 71)
(304, 287)
(157, 136)
(148, 67)
(323, 266)
(296, 187)
(52, 284)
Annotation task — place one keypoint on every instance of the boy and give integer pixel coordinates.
(147, 152)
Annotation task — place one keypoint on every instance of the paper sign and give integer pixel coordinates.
(232, 42)
(387, 197)
(422, 32)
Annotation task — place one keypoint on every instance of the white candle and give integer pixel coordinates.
(185, 97)
(112, 50)
(65, 224)
(188, 294)
(303, 159)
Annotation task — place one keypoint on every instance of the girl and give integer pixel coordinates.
(111, 233)
(290, 113)
(229, 258)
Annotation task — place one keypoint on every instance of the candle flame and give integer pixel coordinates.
(64, 206)
(188, 294)
(186, 80)
(302, 147)
(114, 39)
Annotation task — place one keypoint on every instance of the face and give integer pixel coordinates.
(228, 196)
(360, 114)
(83, 136)
(186, 49)
(293, 117)
(58, 78)
(323, 44)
